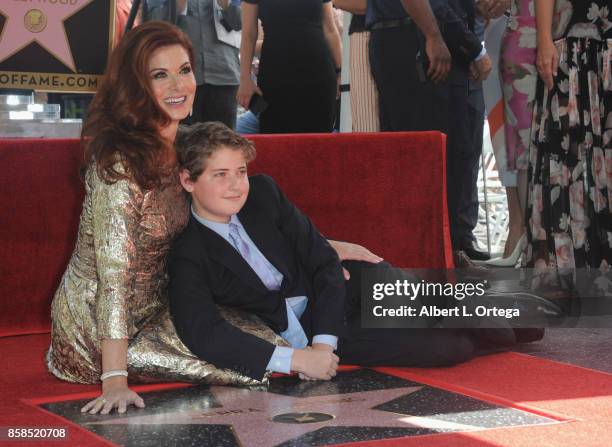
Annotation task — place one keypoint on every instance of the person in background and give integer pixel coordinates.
(248, 122)
(364, 96)
(299, 67)
(122, 12)
(519, 78)
(569, 176)
(464, 33)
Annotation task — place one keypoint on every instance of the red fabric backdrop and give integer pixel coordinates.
(384, 191)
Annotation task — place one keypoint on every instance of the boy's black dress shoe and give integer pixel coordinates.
(473, 253)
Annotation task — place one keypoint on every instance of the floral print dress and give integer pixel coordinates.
(570, 160)
(519, 76)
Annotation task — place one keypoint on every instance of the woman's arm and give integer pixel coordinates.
(247, 51)
(353, 6)
(331, 33)
(115, 391)
(547, 59)
(115, 220)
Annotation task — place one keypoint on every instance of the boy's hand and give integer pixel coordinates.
(319, 347)
(314, 364)
(322, 347)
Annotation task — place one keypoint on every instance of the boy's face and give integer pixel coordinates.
(221, 190)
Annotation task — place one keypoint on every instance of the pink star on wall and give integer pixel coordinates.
(42, 22)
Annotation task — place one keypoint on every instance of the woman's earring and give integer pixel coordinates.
(191, 111)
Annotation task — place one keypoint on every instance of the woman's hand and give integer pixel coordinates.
(245, 92)
(353, 252)
(547, 61)
(115, 394)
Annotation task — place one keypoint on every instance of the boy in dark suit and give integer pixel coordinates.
(248, 247)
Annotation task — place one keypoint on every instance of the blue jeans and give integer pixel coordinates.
(247, 123)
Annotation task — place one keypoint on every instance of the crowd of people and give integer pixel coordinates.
(133, 300)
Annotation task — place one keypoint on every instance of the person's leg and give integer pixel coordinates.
(459, 137)
(364, 96)
(406, 347)
(468, 211)
(247, 124)
(376, 69)
(305, 110)
(463, 155)
(316, 110)
(516, 226)
(422, 346)
(274, 118)
(220, 104)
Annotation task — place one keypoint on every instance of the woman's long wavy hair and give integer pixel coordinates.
(124, 119)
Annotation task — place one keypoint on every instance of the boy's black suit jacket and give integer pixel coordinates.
(206, 270)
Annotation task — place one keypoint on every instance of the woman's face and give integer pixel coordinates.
(172, 81)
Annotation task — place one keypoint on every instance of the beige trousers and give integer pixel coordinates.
(364, 96)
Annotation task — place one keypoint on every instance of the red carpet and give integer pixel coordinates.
(580, 396)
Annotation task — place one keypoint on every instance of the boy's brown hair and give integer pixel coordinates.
(196, 143)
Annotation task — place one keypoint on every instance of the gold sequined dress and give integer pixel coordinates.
(115, 287)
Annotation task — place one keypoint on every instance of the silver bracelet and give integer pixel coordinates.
(113, 373)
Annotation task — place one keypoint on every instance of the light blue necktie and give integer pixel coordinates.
(295, 333)
(257, 262)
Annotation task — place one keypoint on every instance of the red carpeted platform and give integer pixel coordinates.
(384, 191)
(579, 397)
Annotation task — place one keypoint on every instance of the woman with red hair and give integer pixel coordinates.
(110, 312)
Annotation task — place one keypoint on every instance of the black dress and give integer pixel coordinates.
(296, 69)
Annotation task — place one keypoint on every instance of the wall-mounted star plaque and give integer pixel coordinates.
(55, 45)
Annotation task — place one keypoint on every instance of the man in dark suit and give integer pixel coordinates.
(249, 248)
(415, 97)
(471, 65)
